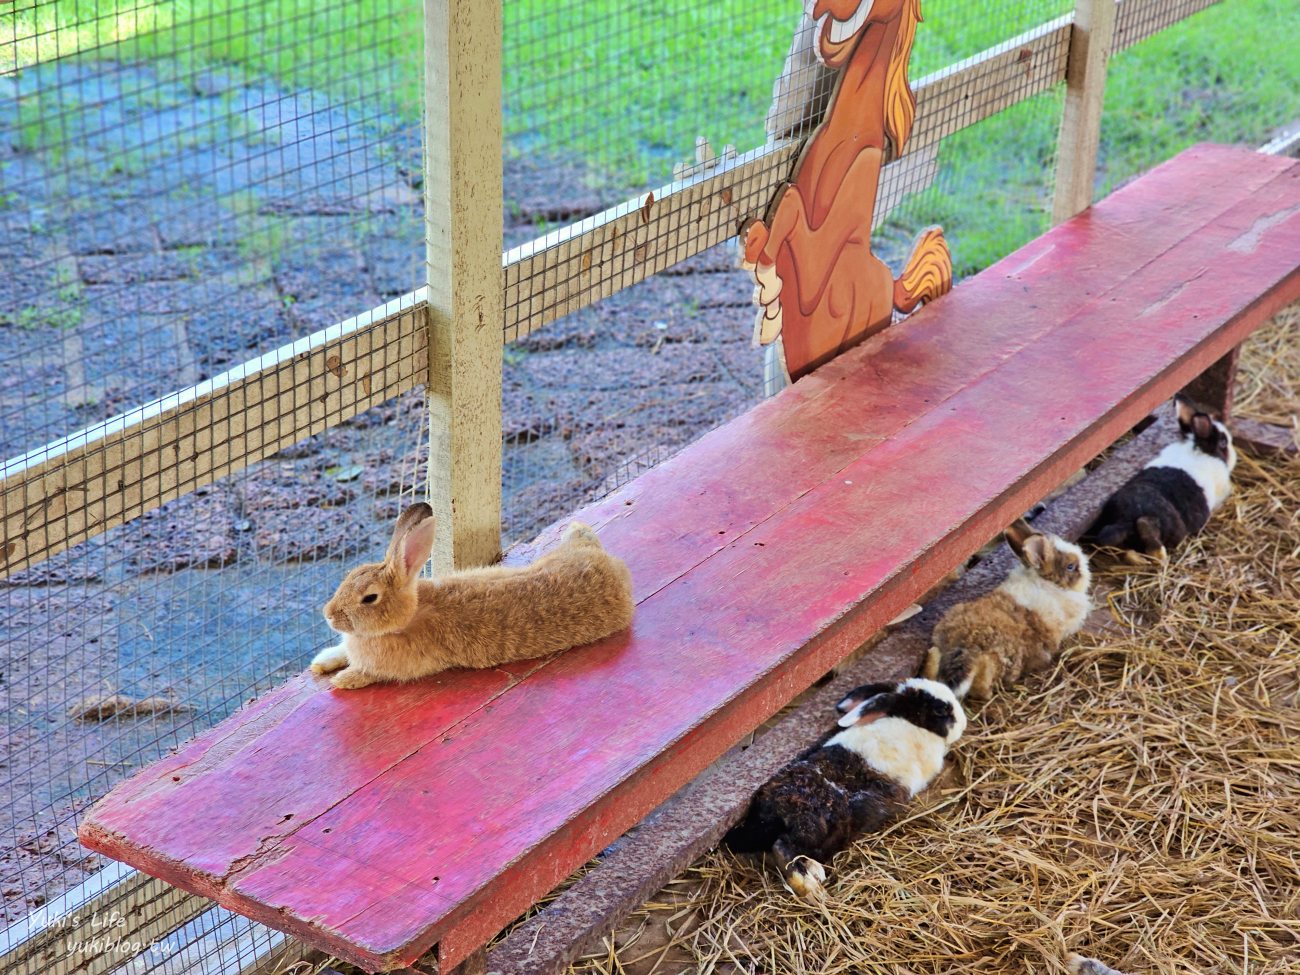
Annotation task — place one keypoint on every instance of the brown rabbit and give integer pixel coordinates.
(1016, 629)
(396, 626)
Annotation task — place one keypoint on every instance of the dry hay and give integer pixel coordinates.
(1269, 375)
(1141, 804)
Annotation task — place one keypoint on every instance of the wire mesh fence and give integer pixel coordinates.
(1228, 74)
(185, 187)
(602, 106)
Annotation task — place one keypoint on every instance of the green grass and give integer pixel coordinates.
(1228, 74)
(627, 88)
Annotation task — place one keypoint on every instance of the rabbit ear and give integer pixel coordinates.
(1202, 426)
(872, 709)
(416, 547)
(1017, 533)
(412, 516)
(859, 694)
(1184, 411)
(1038, 552)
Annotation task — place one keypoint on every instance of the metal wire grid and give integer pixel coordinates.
(981, 161)
(624, 89)
(129, 644)
(197, 212)
(1250, 81)
(1137, 20)
(168, 210)
(594, 396)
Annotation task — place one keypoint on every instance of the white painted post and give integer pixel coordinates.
(462, 196)
(1091, 40)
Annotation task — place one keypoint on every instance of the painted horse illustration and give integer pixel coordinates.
(820, 289)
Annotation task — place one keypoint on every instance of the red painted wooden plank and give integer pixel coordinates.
(812, 442)
(738, 474)
(334, 743)
(405, 895)
(801, 438)
(810, 571)
(1051, 369)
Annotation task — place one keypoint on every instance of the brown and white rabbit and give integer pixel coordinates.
(890, 744)
(1017, 628)
(398, 627)
(1175, 494)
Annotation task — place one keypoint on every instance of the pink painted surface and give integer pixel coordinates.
(376, 823)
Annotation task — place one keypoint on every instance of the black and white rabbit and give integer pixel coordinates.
(890, 744)
(1175, 494)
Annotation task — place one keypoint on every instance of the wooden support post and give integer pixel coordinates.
(1091, 38)
(462, 205)
(475, 964)
(1214, 387)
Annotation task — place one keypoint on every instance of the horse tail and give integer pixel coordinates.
(928, 273)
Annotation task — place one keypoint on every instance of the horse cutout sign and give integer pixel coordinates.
(819, 287)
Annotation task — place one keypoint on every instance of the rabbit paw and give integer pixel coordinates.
(806, 878)
(350, 678)
(329, 660)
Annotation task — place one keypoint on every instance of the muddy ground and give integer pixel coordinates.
(176, 225)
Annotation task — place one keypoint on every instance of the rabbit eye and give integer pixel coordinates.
(370, 597)
(1072, 567)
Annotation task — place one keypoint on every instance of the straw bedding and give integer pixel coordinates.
(1139, 804)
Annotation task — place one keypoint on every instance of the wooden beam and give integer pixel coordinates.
(1140, 19)
(1215, 387)
(1091, 38)
(78, 487)
(462, 187)
(990, 82)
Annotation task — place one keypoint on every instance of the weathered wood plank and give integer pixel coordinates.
(990, 82)
(462, 206)
(815, 428)
(726, 637)
(185, 934)
(100, 477)
(1140, 19)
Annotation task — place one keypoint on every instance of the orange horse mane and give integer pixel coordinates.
(900, 102)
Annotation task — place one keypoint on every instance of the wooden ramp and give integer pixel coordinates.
(378, 823)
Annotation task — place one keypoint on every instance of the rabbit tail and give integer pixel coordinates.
(1111, 535)
(955, 669)
(930, 667)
